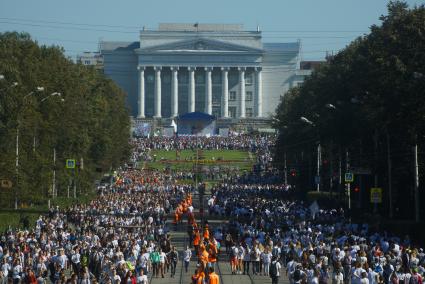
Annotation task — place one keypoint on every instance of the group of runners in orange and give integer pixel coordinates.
(206, 247)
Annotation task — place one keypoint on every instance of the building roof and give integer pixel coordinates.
(196, 116)
(281, 46)
(195, 27)
(310, 65)
(119, 45)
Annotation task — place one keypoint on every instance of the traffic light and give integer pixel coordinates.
(293, 173)
(356, 189)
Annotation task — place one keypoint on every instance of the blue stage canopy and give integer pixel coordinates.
(196, 116)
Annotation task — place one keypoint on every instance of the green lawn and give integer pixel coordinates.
(212, 158)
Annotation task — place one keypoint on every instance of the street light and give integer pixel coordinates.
(52, 95)
(306, 120)
(317, 180)
(54, 190)
(38, 89)
(330, 106)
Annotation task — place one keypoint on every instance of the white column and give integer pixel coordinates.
(242, 91)
(259, 92)
(174, 92)
(141, 98)
(225, 94)
(191, 89)
(208, 90)
(157, 91)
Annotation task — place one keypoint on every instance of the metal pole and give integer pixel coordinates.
(390, 190)
(285, 169)
(17, 167)
(331, 169)
(318, 168)
(75, 185)
(416, 176)
(340, 172)
(375, 178)
(54, 174)
(348, 184)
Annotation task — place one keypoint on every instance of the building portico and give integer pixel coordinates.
(221, 70)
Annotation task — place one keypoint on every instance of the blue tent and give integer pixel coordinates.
(196, 116)
(196, 123)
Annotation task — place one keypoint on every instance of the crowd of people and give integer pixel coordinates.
(269, 228)
(144, 145)
(119, 237)
(122, 235)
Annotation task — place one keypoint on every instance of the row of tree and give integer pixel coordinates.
(366, 106)
(52, 108)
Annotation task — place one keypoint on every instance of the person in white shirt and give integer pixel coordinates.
(162, 260)
(75, 260)
(246, 259)
(364, 279)
(275, 270)
(267, 258)
(240, 256)
(63, 260)
(337, 275)
(187, 255)
(142, 278)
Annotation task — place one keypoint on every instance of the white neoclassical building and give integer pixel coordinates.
(219, 69)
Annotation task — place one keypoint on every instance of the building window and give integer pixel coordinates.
(248, 96)
(86, 62)
(150, 78)
(232, 96)
(248, 79)
(232, 112)
(248, 112)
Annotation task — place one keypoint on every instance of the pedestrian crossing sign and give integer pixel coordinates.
(349, 177)
(70, 163)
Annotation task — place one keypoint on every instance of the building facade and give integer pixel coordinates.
(88, 58)
(217, 69)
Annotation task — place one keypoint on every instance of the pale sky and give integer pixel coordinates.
(78, 25)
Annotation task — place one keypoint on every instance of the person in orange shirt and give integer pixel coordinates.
(212, 253)
(196, 240)
(213, 277)
(204, 256)
(206, 232)
(199, 276)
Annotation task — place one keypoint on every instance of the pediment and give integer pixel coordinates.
(200, 45)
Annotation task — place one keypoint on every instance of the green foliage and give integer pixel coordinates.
(377, 86)
(92, 123)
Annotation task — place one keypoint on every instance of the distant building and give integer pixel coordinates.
(305, 70)
(91, 59)
(219, 69)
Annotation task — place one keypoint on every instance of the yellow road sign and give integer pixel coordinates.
(376, 195)
(70, 163)
(5, 183)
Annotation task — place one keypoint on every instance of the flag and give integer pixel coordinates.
(174, 125)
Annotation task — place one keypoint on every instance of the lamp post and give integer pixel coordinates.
(317, 179)
(38, 89)
(54, 190)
